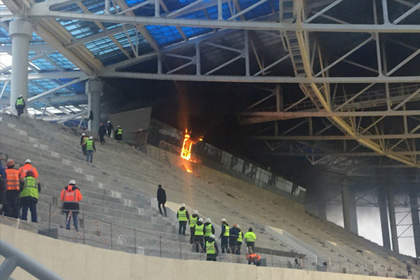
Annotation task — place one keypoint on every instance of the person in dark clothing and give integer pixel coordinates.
(161, 198)
(211, 248)
(20, 105)
(224, 235)
(3, 178)
(101, 133)
(109, 128)
(71, 196)
(183, 218)
(233, 238)
(208, 230)
(198, 235)
(29, 195)
(83, 141)
(193, 221)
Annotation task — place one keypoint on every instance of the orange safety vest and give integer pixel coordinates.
(70, 196)
(26, 168)
(12, 181)
(255, 257)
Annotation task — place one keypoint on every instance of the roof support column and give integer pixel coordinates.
(322, 204)
(94, 90)
(415, 219)
(392, 220)
(349, 209)
(383, 212)
(21, 32)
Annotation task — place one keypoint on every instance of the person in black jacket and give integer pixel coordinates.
(161, 198)
(233, 238)
(109, 128)
(101, 133)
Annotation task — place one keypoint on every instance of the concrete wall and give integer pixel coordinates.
(225, 179)
(76, 261)
(132, 121)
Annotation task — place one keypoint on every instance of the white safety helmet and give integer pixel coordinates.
(72, 182)
(28, 161)
(20, 95)
(183, 205)
(223, 220)
(238, 226)
(91, 137)
(208, 220)
(200, 220)
(83, 134)
(195, 212)
(109, 121)
(212, 236)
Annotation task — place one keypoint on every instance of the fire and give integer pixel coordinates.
(189, 170)
(187, 145)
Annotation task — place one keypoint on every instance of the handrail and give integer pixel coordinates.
(15, 258)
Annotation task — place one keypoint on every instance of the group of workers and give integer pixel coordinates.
(20, 188)
(88, 142)
(202, 236)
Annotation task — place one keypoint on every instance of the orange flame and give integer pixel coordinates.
(187, 145)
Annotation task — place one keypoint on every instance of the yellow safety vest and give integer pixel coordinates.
(30, 188)
(193, 221)
(89, 145)
(119, 131)
(208, 230)
(210, 248)
(182, 215)
(227, 230)
(19, 101)
(250, 236)
(199, 230)
(240, 236)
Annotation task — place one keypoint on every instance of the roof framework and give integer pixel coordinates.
(355, 91)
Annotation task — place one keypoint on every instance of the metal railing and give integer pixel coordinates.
(16, 258)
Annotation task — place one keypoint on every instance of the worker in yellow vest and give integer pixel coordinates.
(90, 148)
(118, 133)
(208, 230)
(183, 218)
(250, 240)
(29, 195)
(193, 221)
(239, 241)
(224, 235)
(198, 235)
(211, 248)
(20, 105)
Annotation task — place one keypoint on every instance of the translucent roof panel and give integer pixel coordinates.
(213, 13)
(61, 60)
(164, 35)
(79, 29)
(4, 37)
(264, 9)
(43, 64)
(101, 46)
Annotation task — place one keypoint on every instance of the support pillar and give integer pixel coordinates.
(321, 203)
(94, 90)
(349, 209)
(21, 32)
(415, 218)
(392, 220)
(383, 212)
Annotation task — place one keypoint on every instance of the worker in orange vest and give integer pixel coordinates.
(254, 258)
(12, 190)
(25, 168)
(3, 178)
(71, 196)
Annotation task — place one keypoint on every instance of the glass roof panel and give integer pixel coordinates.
(164, 35)
(61, 60)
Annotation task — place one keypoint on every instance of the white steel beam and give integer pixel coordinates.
(335, 137)
(109, 73)
(47, 76)
(325, 114)
(38, 11)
